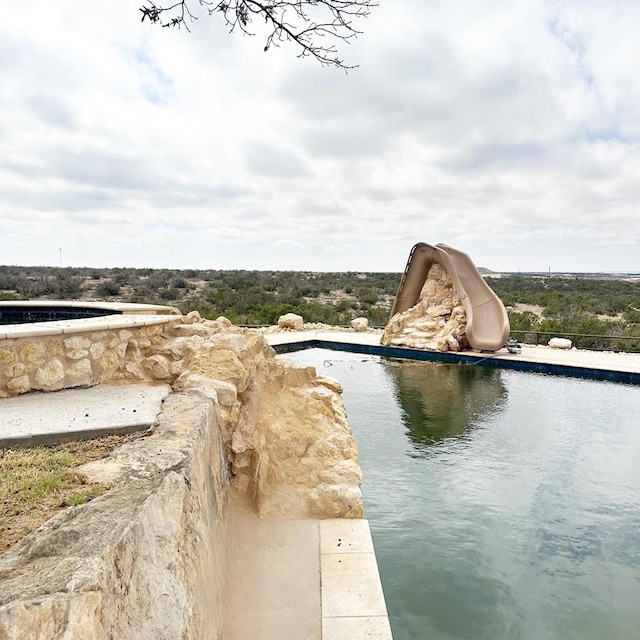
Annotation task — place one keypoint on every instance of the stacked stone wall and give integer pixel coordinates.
(49, 363)
(148, 558)
(284, 427)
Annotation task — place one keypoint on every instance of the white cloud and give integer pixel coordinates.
(509, 130)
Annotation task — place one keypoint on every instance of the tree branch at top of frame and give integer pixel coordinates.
(315, 26)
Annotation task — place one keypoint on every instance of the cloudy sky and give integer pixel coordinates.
(510, 130)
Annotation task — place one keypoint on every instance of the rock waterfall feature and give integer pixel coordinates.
(436, 322)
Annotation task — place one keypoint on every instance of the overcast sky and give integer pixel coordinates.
(509, 130)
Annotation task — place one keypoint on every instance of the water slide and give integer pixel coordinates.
(487, 320)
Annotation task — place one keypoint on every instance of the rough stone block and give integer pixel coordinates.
(20, 384)
(158, 367)
(14, 370)
(54, 348)
(77, 354)
(32, 351)
(436, 322)
(560, 343)
(79, 372)
(7, 357)
(221, 364)
(96, 350)
(109, 362)
(330, 383)
(335, 501)
(360, 324)
(50, 374)
(77, 342)
(291, 321)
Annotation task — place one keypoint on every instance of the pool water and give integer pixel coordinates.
(503, 504)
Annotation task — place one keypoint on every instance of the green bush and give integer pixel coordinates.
(107, 289)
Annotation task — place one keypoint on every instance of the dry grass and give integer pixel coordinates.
(40, 481)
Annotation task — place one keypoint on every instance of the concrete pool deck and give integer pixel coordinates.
(42, 418)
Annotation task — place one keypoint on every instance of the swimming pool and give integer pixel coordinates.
(502, 504)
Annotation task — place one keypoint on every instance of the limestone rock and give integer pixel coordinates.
(436, 322)
(141, 561)
(20, 384)
(307, 454)
(330, 383)
(225, 393)
(50, 374)
(7, 357)
(108, 363)
(291, 321)
(157, 366)
(191, 330)
(174, 348)
(336, 501)
(79, 373)
(560, 343)
(360, 324)
(146, 560)
(54, 348)
(77, 354)
(222, 364)
(32, 351)
(96, 350)
(236, 342)
(76, 343)
(14, 370)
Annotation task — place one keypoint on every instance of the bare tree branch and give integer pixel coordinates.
(313, 25)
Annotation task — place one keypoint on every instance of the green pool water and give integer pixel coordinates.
(503, 505)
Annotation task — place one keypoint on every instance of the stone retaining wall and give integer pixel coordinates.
(148, 558)
(284, 427)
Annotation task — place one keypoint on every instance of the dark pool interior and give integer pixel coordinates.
(20, 314)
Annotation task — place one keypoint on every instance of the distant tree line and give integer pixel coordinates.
(606, 313)
(245, 297)
(595, 314)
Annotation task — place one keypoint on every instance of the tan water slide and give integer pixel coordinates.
(487, 320)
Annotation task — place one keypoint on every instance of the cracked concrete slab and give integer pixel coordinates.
(73, 414)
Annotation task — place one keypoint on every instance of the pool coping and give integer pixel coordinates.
(118, 315)
(312, 579)
(116, 307)
(82, 325)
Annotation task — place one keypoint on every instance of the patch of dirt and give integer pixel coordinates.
(332, 298)
(619, 317)
(37, 482)
(536, 309)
